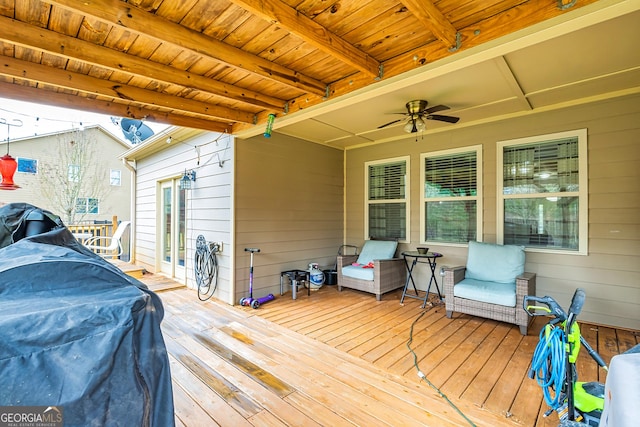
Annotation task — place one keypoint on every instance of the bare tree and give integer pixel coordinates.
(71, 171)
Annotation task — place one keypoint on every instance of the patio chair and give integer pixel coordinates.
(492, 285)
(108, 246)
(375, 270)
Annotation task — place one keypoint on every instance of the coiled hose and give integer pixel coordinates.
(206, 268)
(548, 364)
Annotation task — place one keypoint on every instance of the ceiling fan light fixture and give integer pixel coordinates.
(417, 113)
(415, 124)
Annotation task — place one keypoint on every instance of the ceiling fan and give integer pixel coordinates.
(417, 113)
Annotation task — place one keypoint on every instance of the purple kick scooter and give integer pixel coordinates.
(251, 302)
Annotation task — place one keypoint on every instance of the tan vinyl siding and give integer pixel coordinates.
(289, 203)
(610, 273)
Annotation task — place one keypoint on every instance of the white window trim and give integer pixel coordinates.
(583, 193)
(73, 173)
(119, 184)
(479, 196)
(407, 181)
(86, 205)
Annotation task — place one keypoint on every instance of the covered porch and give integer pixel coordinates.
(341, 358)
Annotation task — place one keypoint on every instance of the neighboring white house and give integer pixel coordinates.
(82, 166)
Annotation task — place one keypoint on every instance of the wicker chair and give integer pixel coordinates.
(377, 271)
(492, 285)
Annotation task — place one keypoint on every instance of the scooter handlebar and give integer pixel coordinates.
(251, 250)
(577, 301)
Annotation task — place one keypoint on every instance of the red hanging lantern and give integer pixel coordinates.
(8, 166)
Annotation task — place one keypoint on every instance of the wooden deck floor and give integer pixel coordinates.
(341, 358)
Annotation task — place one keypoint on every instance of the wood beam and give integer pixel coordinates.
(522, 16)
(74, 81)
(431, 17)
(38, 38)
(311, 32)
(121, 14)
(75, 102)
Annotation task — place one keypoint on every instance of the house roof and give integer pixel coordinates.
(98, 128)
(331, 71)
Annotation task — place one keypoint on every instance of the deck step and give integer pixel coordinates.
(129, 269)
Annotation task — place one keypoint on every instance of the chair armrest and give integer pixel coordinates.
(95, 240)
(452, 275)
(380, 262)
(381, 266)
(344, 260)
(525, 285)
(455, 274)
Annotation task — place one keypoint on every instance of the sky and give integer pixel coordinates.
(38, 119)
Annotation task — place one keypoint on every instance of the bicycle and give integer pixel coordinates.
(553, 363)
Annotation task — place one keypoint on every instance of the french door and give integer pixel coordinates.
(172, 229)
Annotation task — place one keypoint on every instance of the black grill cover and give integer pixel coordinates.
(77, 333)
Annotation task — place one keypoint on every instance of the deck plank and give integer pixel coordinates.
(479, 389)
(460, 380)
(341, 358)
(204, 396)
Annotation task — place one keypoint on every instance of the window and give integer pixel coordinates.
(386, 210)
(115, 177)
(87, 205)
(73, 173)
(451, 201)
(27, 165)
(542, 183)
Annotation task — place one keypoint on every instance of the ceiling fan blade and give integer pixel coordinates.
(447, 119)
(435, 109)
(390, 123)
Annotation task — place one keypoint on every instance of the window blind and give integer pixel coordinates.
(387, 181)
(452, 175)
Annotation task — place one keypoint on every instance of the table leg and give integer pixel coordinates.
(432, 266)
(409, 278)
(294, 287)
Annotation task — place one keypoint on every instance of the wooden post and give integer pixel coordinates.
(114, 226)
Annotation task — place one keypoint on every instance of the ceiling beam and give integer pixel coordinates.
(431, 17)
(64, 100)
(311, 32)
(38, 38)
(124, 15)
(74, 81)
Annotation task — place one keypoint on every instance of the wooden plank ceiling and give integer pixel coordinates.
(225, 65)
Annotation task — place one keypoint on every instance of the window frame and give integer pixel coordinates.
(406, 200)
(73, 173)
(86, 201)
(582, 193)
(111, 172)
(478, 197)
(21, 160)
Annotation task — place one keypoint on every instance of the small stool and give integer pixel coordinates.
(295, 277)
